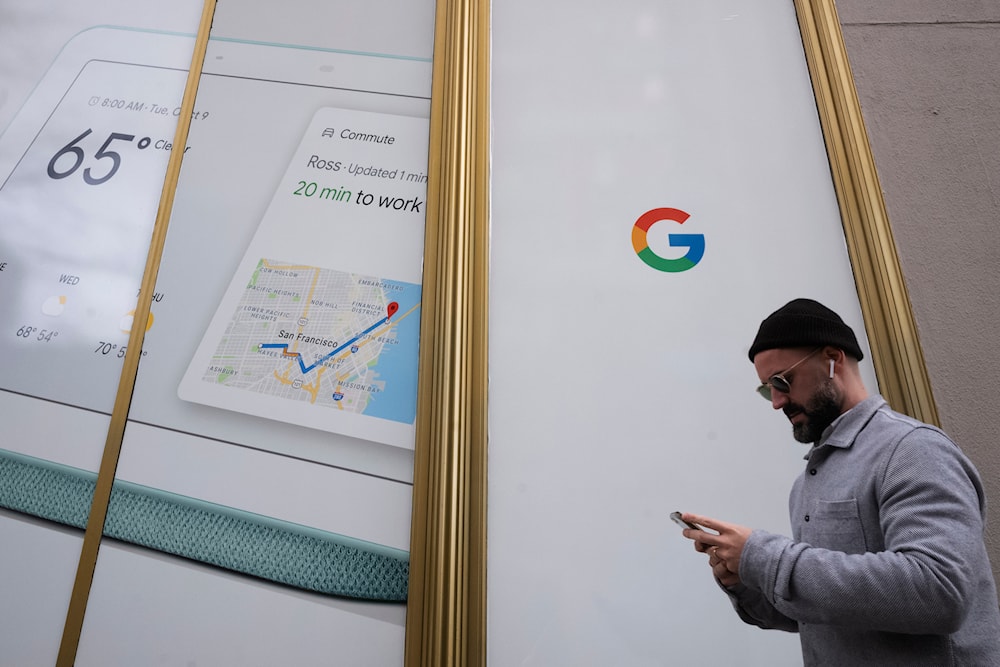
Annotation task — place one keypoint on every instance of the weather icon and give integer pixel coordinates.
(125, 324)
(54, 306)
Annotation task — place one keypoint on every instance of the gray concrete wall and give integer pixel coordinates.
(928, 76)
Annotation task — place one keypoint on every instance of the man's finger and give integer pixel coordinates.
(705, 521)
(702, 540)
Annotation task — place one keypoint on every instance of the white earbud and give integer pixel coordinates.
(831, 369)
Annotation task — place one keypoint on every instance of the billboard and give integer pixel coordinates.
(268, 448)
(660, 185)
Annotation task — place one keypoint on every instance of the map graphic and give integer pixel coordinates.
(325, 338)
(320, 323)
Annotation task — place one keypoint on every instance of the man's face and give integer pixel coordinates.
(813, 400)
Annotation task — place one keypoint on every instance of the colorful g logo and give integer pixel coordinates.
(695, 243)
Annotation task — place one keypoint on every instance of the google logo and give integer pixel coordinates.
(695, 243)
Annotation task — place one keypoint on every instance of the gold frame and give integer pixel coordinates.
(80, 595)
(446, 606)
(885, 303)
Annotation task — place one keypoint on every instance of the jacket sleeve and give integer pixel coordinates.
(931, 509)
(753, 608)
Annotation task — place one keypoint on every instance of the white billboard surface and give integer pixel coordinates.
(659, 186)
(290, 91)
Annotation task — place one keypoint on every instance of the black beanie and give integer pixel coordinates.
(804, 323)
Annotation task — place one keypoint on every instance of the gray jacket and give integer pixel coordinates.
(888, 565)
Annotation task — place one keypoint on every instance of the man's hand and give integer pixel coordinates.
(724, 547)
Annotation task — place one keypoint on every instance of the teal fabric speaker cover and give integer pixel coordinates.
(241, 541)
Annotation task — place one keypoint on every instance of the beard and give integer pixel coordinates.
(823, 407)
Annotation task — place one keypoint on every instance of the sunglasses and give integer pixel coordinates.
(779, 381)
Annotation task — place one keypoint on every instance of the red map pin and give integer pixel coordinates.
(391, 309)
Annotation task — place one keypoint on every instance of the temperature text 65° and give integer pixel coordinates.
(103, 164)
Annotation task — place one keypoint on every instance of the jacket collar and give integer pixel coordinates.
(845, 428)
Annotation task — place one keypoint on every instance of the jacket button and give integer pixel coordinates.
(807, 517)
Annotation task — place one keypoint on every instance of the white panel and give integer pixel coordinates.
(37, 566)
(157, 610)
(618, 392)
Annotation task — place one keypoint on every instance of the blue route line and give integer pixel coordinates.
(339, 348)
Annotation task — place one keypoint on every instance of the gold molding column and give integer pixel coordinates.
(446, 607)
(73, 627)
(892, 333)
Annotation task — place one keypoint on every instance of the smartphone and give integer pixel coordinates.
(676, 518)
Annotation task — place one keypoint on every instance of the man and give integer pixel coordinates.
(887, 564)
